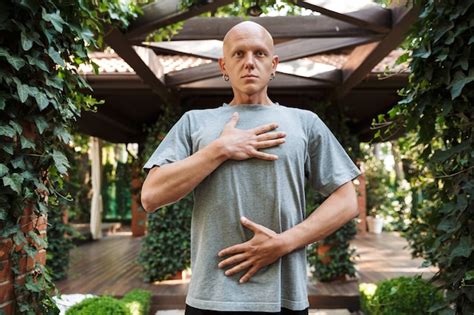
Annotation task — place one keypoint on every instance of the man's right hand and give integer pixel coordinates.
(244, 144)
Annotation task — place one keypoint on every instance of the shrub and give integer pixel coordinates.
(403, 295)
(138, 301)
(104, 305)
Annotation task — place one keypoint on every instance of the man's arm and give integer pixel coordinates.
(171, 182)
(267, 246)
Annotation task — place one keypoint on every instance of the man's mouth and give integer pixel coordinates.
(249, 76)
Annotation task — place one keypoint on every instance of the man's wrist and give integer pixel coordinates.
(218, 150)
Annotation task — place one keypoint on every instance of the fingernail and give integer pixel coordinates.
(241, 281)
(243, 219)
(226, 273)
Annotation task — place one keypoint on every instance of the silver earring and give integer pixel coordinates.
(226, 77)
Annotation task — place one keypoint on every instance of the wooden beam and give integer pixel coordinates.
(364, 58)
(300, 48)
(286, 27)
(374, 18)
(287, 51)
(193, 74)
(165, 12)
(123, 48)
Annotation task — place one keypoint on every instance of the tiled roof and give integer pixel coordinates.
(110, 62)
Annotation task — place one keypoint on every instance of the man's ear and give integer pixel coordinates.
(275, 62)
(222, 65)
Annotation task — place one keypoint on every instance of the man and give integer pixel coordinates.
(246, 163)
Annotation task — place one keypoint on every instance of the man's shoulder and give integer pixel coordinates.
(300, 112)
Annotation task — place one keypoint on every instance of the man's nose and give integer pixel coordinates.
(249, 60)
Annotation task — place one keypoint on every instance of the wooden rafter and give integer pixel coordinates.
(122, 47)
(374, 18)
(364, 58)
(286, 51)
(165, 12)
(287, 27)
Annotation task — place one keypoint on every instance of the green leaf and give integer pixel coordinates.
(55, 56)
(16, 126)
(55, 19)
(463, 249)
(60, 161)
(14, 181)
(3, 98)
(56, 82)
(26, 42)
(38, 240)
(37, 62)
(16, 62)
(41, 100)
(18, 162)
(7, 131)
(41, 123)
(7, 147)
(19, 238)
(469, 275)
(459, 81)
(3, 170)
(22, 90)
(27, 143)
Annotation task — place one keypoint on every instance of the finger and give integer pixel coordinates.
(249, 274)
(236, 249)
(268, 143)
(271, 136)
(265, 128)
(264, 156)
(240, 267)
(254, 227)
(232, 260)
(233, 120)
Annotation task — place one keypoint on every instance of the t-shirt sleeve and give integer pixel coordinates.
(327, 164)
(175, 146)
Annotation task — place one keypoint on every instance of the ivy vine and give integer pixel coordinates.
(42, 43)
(438, 114)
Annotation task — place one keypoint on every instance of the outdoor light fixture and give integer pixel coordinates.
(255, 10)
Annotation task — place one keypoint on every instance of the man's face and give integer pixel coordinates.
(248, 59)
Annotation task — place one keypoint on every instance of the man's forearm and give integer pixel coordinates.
(334, 212)
(171, 182)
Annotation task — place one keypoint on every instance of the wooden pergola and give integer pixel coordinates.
(364, 37)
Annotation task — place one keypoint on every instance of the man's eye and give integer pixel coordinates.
(238, 54)
(260, 53)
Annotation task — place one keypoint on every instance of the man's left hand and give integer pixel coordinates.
(265, 247)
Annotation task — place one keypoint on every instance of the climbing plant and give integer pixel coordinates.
(166, 249)
(438, 114)
(42, 43)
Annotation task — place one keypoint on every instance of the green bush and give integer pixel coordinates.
(403, 295)
(103, 305)
(138, 301)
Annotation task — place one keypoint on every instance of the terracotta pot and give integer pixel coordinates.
(322, 251)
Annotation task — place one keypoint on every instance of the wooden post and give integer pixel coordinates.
(362, 201)
(96, 174)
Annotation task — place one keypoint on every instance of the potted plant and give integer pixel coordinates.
(375, 223)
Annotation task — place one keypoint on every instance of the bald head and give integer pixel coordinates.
(248, 29)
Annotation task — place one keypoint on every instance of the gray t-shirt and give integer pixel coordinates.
(270, 193)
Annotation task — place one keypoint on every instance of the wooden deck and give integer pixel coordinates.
(108, 267)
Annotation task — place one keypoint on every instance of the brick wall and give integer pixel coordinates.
(28, 222)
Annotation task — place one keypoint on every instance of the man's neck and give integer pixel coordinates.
(261, 99)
